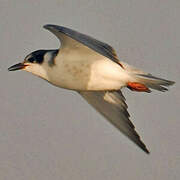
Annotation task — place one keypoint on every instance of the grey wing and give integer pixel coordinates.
(72, 39)
(112, 106)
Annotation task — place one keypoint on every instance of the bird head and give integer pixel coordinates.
(37, 62)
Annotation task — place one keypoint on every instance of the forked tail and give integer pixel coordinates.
(145, 82)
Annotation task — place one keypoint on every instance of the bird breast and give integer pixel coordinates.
(87, 74)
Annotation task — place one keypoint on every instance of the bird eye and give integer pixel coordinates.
(31, 59)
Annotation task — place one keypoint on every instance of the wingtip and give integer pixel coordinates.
(142, 146)
(146, 150)
(48, 26)
(54, 28)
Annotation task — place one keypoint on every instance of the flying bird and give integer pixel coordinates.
(92, 68)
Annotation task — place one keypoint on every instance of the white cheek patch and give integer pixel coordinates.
(37, 70)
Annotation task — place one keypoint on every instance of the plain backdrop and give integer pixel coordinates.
(51, 133)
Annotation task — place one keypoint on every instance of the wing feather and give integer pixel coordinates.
(112, 105)
(72, 39)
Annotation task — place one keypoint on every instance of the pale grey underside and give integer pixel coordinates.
(112, 106)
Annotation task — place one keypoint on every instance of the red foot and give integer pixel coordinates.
(135, 86)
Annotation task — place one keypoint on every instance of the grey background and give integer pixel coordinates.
(50, 133)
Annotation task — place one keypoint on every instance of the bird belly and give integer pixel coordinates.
(91, 75)
(107, 75)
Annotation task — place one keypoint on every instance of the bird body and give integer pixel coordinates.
(92, 68)
(86, 73)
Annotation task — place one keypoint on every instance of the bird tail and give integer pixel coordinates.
(147, 82)
(143, 82)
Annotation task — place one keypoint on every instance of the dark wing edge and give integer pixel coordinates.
(98, 46)
(112, 106)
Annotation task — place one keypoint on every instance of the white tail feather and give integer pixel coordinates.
(153, 82)
(147, 79)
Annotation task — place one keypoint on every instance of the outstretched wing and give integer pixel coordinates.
(112, 106)
(71, 39)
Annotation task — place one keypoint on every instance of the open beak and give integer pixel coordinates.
(18, 66)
